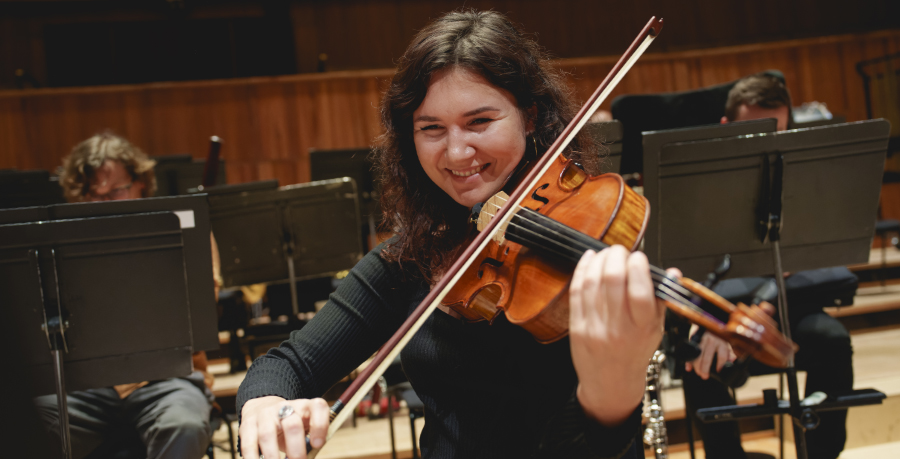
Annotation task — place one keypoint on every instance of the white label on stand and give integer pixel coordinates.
(186, 217)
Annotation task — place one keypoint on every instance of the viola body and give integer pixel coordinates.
(532, 289)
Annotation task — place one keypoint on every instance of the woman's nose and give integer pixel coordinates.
(458, 145)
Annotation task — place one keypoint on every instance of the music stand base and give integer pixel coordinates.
(859, 397)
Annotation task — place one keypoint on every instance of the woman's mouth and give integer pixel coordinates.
(469, 172)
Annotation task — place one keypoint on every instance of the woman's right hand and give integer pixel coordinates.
(263, 431)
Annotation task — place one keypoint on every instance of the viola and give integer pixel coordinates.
(490, 271)
(524, 272)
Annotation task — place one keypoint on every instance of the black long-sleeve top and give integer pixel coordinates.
(489, 390)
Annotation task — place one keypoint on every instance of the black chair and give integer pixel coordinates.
(217, 419)
(884, 228)
(654, 112)
(401, 389)
(404, 391)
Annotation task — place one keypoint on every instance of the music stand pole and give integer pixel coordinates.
(373, 234)
(54, 328)
(293, 281)
(289, 250)
(61, 403)
(790, 371)
(774, 237)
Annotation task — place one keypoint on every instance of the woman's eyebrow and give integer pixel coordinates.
(481, 110)
(466, 114)
(425, 118)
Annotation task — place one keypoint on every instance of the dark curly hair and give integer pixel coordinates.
(431, 226)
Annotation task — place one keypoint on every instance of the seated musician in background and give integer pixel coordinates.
(825, 350)
(757, 97)
(473, 100)
(171, 417)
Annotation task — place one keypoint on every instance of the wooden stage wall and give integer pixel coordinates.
(270, 124)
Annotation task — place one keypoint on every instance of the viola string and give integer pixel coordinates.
(580, 245)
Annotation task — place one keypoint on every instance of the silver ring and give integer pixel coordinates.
(285, 411)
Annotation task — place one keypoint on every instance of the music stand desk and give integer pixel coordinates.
(287, 234)
(99, 301)
(706, 194)
(177, 174)
(28, 188)
(654, 141)
(198, 253)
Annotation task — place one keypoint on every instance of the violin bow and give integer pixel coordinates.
(360, 386)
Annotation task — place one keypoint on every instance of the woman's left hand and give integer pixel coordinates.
(615, 325)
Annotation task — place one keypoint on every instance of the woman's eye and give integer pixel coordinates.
(481, 120)
(430, 127)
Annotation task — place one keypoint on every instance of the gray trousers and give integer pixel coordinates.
(164, 419)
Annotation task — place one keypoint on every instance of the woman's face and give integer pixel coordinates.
(469, 135)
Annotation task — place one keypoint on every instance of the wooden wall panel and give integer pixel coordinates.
(270, 124)
(820, 69)
(365, 34)
(15, 147)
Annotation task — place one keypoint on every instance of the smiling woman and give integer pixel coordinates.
(487, 56)
(473, 102)
(469, 135)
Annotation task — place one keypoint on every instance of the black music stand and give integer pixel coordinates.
(89, 289)
(355, 163)
(287, 234)
(654, 141)
(178, 174)
(28, 188)
(776, 202)
(193, 210)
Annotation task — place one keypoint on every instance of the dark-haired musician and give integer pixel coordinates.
(825, 350)
(472, 99)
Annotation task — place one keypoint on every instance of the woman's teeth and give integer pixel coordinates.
(470, 172)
